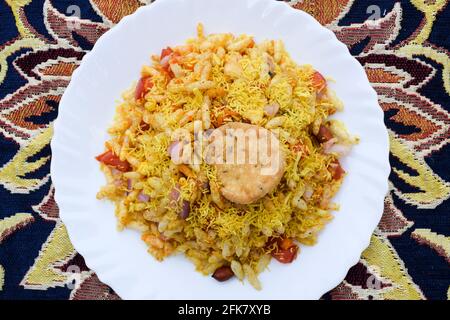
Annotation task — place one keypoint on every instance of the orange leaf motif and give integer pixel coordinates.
(114, 11)
(324, 11)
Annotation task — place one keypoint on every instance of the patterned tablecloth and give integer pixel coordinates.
(405, 55)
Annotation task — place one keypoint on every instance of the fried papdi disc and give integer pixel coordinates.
(251, 163)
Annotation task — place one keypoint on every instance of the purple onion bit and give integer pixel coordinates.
(205, 186)
(143, 197)
(207, 134)
(174, 194)
(129, 187)
(185, 210)
(272, 109)
(174, 150)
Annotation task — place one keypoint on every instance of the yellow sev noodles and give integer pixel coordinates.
(240, 78)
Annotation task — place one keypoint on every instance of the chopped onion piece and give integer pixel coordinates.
(143, 197)
(174, 150)
(328, 144)
(174, 194)
(165, 60)
(308, 192)
(339, 149)
(115, 172)
(272, 109)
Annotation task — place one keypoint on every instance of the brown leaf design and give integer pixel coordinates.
(20, 113)
(37, 64)
(38, 107)
(63, 69)
(412, 109)
(324, 11)
(114, 11)
(92, 289)
(380, 75)
(343, 291)
(360, 276)
(28, 103)
(393, 223)
(381, 34)
(438, 242)
(47, 208)
(77, 260)
(13, 223)
(418, 71)
(410, 118)
(72, 29)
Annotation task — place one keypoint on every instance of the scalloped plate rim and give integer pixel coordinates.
(71, 223)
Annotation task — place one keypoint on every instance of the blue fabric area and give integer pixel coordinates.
(440, 34)
(363, 10)
(9, 149)
(34, 11)
(434, 89)
(7, 19)
(427, 269)
(439, 161)
(13, 79)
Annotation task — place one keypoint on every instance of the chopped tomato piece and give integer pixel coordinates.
(227, 114)
(143, 86)
(318, 81)
(166, 52)
(337, 171)
(168, 56)
(286, 256)
(216, 92)
(110, 159)
(300, 147)
(285, 243)
(175, 58)
(324, 134)
(184, 169)
(168, 72)
(286, 250)
(144, 126)
(219, 121)
(139, 93)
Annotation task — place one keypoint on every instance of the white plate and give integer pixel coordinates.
(120, 259)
